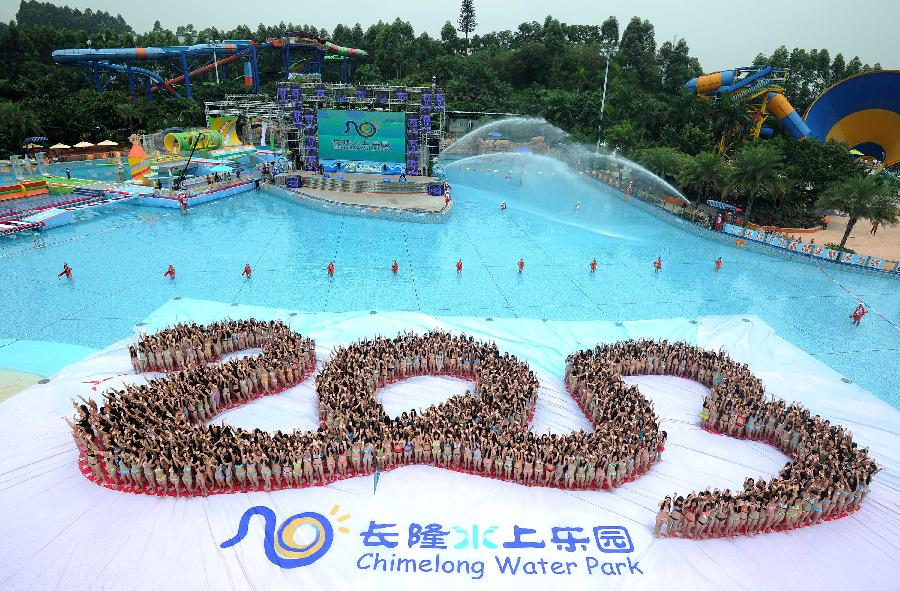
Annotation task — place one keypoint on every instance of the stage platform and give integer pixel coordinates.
(368, 191)
(413, 202)
(64, 532)
(362, 183)
(368, 178)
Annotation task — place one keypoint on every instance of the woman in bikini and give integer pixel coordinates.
(368, 450)
(317, 466)
(330, 462)
(342, 461)
(675, 517)
(662, 517)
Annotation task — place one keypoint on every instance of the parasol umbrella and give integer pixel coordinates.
(855, 152)
(60, 147)
(84, 145)
(108, 143)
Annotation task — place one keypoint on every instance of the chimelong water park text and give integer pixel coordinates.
(508, 566)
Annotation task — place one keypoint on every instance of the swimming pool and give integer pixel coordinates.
(94, 170)
(119, 256)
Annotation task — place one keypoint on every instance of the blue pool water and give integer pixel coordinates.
(119, 256)
(97, 170)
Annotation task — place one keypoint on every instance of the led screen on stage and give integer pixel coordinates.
(362, 141)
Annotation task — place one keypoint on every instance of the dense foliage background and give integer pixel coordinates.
(548, 69)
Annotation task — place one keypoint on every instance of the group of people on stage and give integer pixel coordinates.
(828, 475)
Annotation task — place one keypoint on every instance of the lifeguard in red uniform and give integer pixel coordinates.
(521, 265)
(719, 264)
(247, 271)
(459, 266)
(657, 264)
(593, 265)
(170, 273)
(331, 268)
(858, 314)
(67, 271)
(395, 267)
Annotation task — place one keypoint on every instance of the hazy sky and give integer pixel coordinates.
(720, 33)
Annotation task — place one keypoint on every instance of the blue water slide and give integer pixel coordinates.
(748, 81)
(101, 59)
(64, 56)
(119, 68)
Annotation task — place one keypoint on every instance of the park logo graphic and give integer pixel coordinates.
(280, 546)
(365, 129)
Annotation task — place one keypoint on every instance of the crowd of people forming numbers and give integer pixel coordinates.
(159, 438)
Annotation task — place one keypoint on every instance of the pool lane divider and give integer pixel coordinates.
(859, 299)
(200, 197)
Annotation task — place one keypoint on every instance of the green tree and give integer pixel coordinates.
(756, 172)
(637, 51)
(666, 162)
(816, 165)
(621, 137)
(129, 113)
(466, 22)
(704, 173)
(18, 123)
(609, 32)
(730, 119)
(676, 66)
(863, 196)
(449, 37)
(33, 13)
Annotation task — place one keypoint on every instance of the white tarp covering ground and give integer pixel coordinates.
(60, 531)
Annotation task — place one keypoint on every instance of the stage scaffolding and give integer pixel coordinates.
(250, 109)
(292, 116)
(424, 106)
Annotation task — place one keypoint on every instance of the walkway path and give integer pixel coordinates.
(885, 244)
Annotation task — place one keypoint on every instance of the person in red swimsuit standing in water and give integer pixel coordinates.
(521, 265)
(170, 273)
(247, 271)
(719, 264)
(459, 266)
(395, 267)
(67, 271)
(657, 264)
(331, 268)
(593, 265)
(858, 314)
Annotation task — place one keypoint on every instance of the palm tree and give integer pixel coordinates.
(756, 171)
(19, 122)
(703, 173)
(861, 197)
(730, 117)
(129, 113)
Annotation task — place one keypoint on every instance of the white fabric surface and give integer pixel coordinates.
(60, 531)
